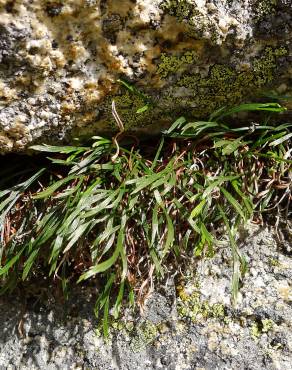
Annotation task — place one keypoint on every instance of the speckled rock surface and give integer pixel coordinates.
(60, 62)
(188, 325)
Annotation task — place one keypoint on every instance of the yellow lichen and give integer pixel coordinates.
(261, 327)
(145, 335)
(264, 7)
(128, 106)
(224, 85)
(191, 307)
(172, 63)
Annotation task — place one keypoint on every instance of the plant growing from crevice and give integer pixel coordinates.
(121, 218)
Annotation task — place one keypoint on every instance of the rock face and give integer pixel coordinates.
(61, 62)
(192, 326)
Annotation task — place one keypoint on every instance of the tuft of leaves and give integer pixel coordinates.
(121, 218)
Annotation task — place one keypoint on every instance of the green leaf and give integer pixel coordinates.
(78, 234)
(247, 202)
(207, 236)
(15, 193)
(102, 297)
(53, 188)
(268, 107)
(143, 109)
(131, 297)
(217, 181)
(198, 209)
(176, 125)
(105, 323)
(157, 262)
(101, 267)
(170, 228)
(58, 149)
(170, 235)
(127, 85)
(281, 140)
(233, 202)
(11, 263)
(196, 128)
(229, 146)
(29, 263)
(158, 152)
(122, 251)
(57, 245)
(154, 223)
(216, 113)
(117, 307)
(235, 256)
(143, 182)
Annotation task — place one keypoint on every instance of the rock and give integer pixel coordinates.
(189, 325)
(61, 62)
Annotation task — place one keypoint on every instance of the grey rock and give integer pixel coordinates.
(60, 63)
(190, 325)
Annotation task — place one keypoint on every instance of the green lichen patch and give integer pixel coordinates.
(116, 325)
(264, 67)
(128, 107)
(265, 7)
(191, 307)
(146, 333)
(188, 12)
(172, 63)
(184, 11)
(261, 327)
(225, 85)
(181, 9)
(273, 262)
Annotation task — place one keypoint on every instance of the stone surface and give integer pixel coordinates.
(188, 325)
(60, 62)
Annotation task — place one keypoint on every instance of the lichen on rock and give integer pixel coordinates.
(60, 62)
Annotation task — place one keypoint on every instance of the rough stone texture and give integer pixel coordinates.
(60, 62)
(190, 326)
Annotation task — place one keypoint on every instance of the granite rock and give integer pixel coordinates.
(62, 63)
(189, 322)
